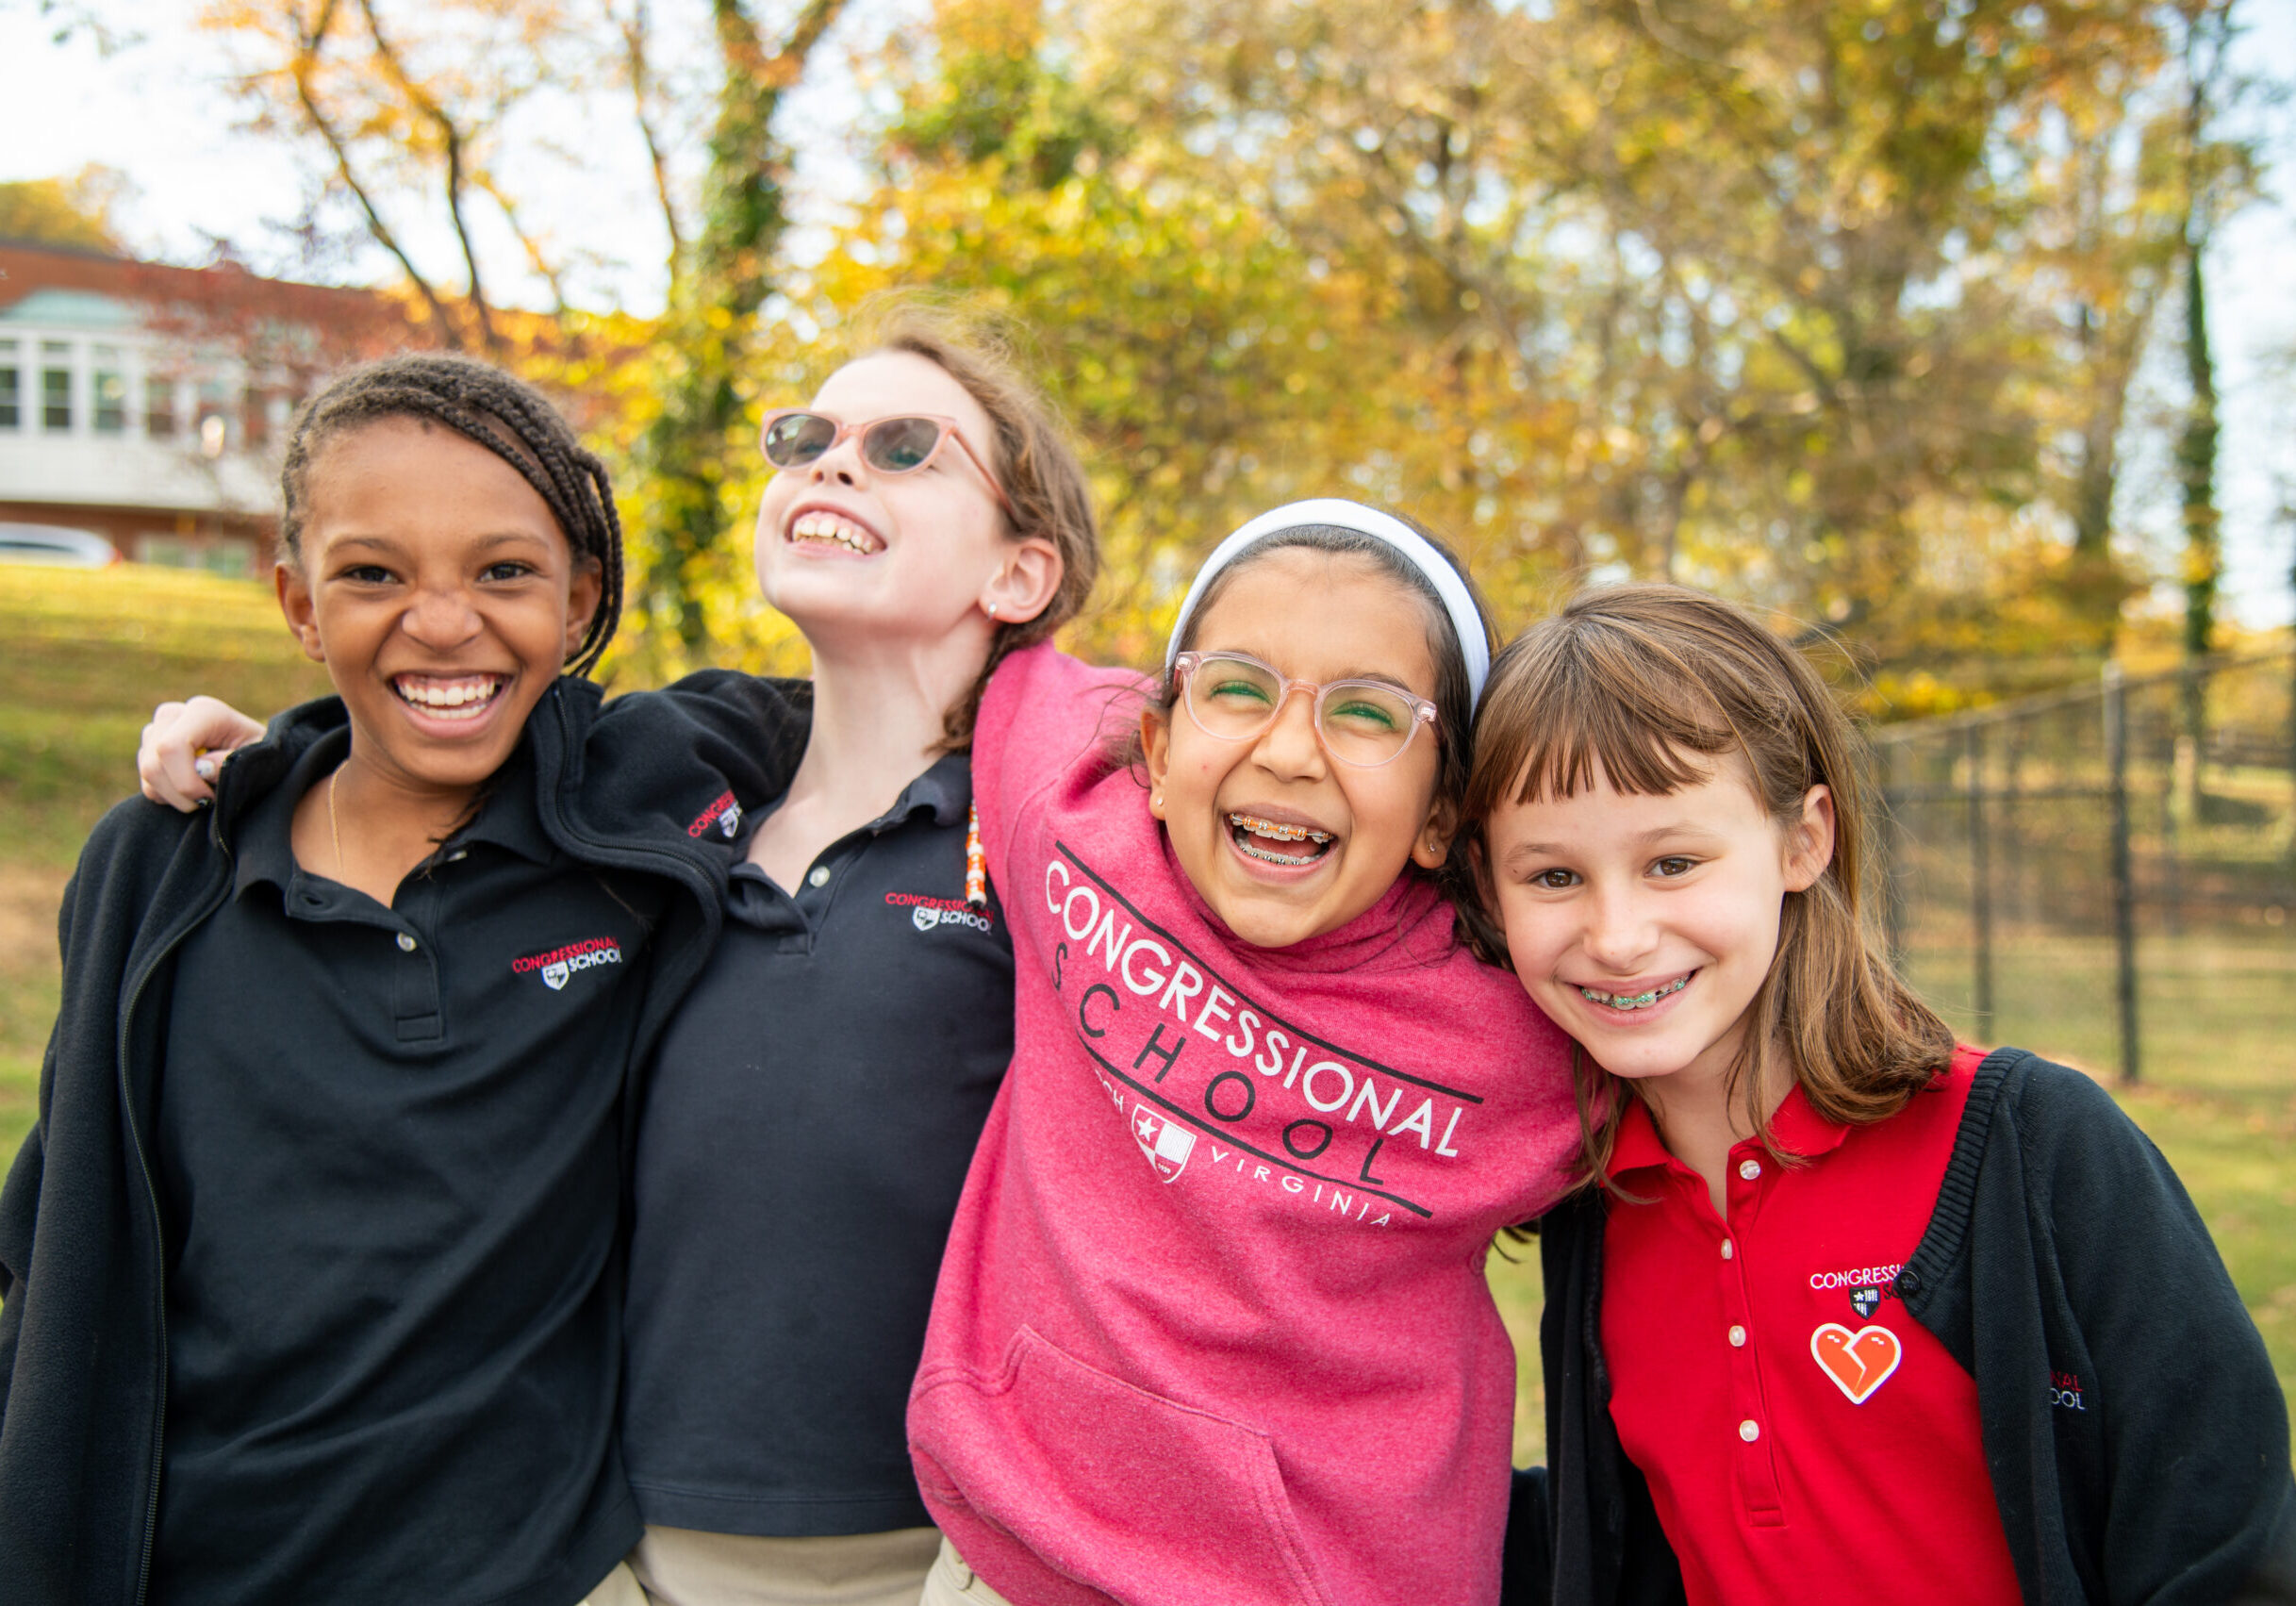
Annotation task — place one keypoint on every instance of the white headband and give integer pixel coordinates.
(1466, 623)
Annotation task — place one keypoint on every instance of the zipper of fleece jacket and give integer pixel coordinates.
(142, 978)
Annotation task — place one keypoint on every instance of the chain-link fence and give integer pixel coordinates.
(2106, 874)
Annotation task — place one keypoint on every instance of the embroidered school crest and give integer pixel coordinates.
(1865, 1301)
(1166, 1144)
(557, 966)
(924, 917)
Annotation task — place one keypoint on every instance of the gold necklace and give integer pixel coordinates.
(333, 833)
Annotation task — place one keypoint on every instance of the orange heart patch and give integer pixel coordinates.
(1858, 1362)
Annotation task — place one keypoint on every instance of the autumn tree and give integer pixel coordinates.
(2107, 222)
(2217, 176)
(405, 110)
(719, 277)
(77, 212)
(1837, 308)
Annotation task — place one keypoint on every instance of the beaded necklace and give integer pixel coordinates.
(976, 863)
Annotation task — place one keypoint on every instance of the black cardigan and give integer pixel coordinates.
(2061, 1223)
(82, 1357)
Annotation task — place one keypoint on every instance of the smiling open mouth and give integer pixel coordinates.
(828, 527)
(1636, 1000)
(1277, 843)
(449, 697)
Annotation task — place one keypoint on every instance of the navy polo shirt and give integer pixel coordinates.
(387, 1147)
(809, 1118)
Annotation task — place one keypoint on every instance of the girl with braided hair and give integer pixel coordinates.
(807, 1116)
(317, 1300)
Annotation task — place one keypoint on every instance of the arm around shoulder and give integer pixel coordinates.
(1046, 715)
(748, 730)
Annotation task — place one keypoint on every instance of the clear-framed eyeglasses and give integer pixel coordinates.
(1234, 697)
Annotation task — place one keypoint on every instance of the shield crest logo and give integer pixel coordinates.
(1166, 1144)
(1865, 1301)
(553, 975)
(730, 821)
(924, 918)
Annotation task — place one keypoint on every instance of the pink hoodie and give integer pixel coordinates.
(1211, 1328)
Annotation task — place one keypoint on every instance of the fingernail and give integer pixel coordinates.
(206, 767)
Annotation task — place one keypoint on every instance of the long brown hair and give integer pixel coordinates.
(1030, 456)
(1652, 687)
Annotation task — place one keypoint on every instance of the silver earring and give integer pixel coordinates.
(992, 610)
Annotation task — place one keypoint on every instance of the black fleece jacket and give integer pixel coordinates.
(83, 1356)
(2060, 1242)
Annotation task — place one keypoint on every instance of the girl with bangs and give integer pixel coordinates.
(1210, 1327)
(1841, 1309)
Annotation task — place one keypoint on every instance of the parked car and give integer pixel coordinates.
(54, 544)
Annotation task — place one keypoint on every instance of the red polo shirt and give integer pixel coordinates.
(1804, 1438)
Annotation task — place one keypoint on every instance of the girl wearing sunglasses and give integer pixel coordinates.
(805, 1123)
(1210, 1324)
(1212, 1327)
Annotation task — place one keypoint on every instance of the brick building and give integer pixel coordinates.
(149, 404)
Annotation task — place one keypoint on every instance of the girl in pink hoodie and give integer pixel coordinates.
(1211, 1328)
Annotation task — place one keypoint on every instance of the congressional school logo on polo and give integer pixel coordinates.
(723, 813)
(559, 965)
(926, 913)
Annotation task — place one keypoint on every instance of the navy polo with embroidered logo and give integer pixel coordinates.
(388, 1167)
(1803, 1437)
(809, 1118)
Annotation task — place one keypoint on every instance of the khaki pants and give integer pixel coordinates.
(953, 1583)
(684, 1567)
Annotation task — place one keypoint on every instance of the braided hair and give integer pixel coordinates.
(501, 412)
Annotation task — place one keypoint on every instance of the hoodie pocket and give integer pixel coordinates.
(1134, 1494)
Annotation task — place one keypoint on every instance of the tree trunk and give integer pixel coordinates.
(716, 293)
(2196, 474)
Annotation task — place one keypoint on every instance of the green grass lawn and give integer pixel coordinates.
(84, 655)
(2217, 1028)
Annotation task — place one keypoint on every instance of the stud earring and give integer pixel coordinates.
(992, 610)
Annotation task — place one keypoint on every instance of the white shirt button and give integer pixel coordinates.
(1749, 1429)
(1737, 1337)
(1726, 1251)
(406, 944)
(819, 876)
(1749, 1168)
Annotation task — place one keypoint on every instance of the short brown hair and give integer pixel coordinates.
(1030, 456)
(1651, 688)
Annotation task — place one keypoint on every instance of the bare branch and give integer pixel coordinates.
(1669, 37)
(789, 61)
(635, 29)
(536, 258)
(302, 71)
(452, 142)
